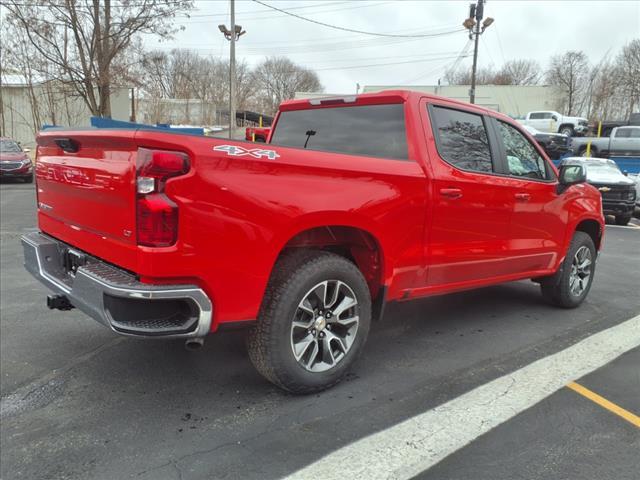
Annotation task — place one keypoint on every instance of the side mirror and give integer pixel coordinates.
(625, 173)
(572, 174)
(555, 118)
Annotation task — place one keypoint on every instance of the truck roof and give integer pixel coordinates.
(376, 98)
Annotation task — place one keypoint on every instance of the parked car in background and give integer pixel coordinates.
(14, 161)
(553, 122)
(623, 142)
(609, 125)
(261, 134)
(355, 202)
(554, 144)
(617, 189)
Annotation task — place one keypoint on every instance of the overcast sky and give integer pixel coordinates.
(522, 29)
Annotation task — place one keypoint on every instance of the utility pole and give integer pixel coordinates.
(476, 12)
(233, 34)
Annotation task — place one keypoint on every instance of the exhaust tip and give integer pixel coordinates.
(194, 344)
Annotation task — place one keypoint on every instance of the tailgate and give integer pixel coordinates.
(86, 182)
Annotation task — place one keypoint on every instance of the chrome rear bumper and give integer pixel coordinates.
(113, 296)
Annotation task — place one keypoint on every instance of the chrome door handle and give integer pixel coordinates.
(523, 197)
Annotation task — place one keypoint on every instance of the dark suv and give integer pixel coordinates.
(618, 191)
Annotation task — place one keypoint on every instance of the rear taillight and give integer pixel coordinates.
(157, 215)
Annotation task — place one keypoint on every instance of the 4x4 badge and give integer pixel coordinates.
(237, 151)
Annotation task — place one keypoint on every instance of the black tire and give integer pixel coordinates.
(567, 130)
(556, 288)
(583, 151)
(269, 342)
(623, 219)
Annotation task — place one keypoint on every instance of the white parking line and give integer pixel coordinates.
(406, 449)
(630, 226)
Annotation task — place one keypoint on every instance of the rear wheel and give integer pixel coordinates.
(313, 323)
(623, 219)
(569, 286)
(583, 151)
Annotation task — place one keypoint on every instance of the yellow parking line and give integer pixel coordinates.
(604, 403)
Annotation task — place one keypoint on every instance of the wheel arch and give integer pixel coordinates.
(355, 243)
(592, 228)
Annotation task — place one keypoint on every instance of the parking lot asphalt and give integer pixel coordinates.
(79, 402)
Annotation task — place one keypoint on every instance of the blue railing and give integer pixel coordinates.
(100, 122)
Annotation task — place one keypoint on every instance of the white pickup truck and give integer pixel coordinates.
(554, 122)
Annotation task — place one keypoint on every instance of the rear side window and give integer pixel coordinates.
(623, 133)
(371, 130)
(461, 138)
(536, 116)
(523, 160)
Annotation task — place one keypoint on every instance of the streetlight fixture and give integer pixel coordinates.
(473, 25)
(232, 34)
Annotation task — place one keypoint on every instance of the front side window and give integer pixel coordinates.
(523, 160)
(462, 140)
(536, 116)
(371, 130)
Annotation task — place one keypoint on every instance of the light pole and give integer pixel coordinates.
(232, 34)
(472, 24)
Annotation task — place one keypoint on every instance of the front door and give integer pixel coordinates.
(539, 218)
(471, 206)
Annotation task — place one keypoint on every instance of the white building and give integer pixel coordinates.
(513, 100)
(26, 106)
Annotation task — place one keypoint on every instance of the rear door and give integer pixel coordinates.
(471, 206)
(538, 222)
(540, 121)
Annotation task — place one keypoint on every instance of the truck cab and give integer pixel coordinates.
(553, 122)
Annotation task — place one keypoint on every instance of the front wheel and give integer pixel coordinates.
(623, 219)
(313, 323)
(567, 130)
(569, 286)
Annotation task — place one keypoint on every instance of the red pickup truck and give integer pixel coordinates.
(354, 203)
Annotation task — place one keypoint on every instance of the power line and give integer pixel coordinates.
(260, 11)
(463, 53)
(336, 27)
(272, 16)
(353, 67)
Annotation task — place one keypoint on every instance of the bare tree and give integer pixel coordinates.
(462, 76)
(569, 72)
(278, 79)
(513, 72)
(84, 43)
(628, 66)
(518, 72)
(185, 75)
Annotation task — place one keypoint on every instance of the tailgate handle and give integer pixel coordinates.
(69, 145)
